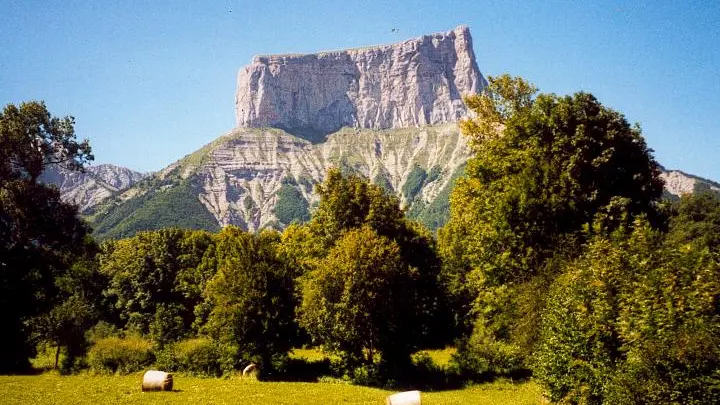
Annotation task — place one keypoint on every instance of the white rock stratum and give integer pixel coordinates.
(410, 84)
(241, 173)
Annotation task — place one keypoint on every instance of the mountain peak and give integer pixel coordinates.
(413, 83)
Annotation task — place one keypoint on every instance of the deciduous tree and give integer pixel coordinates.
(40, 236)
(250, 302)
(543, 169)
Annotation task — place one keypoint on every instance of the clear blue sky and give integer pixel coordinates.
(149, 82)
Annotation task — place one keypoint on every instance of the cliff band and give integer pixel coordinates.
(410, 84)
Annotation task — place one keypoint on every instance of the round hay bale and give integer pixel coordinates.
(154, 380)
(404, 398)
(250, 369)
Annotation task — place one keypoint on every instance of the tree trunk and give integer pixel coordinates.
(57, 355)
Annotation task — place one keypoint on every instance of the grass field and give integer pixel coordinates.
(50, 388)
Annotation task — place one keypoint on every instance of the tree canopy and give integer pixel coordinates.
(359, 220)
(543, 168)
(251, 298)
(40, 235)
(361, 300)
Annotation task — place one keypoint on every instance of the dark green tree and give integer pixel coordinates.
(363, 300)
(77, 306)
(249, 302)
(349, 204)
(696, 218)
(40, 236)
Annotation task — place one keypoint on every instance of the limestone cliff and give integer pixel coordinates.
(410, 84)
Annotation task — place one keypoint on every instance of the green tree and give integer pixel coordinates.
(249, 302)
(348, 203)
(544, 167)
(363, 300)
(350, 208)
(77, 306)
(634, 320)
(40, 236)
(153, 280)
(696, 217)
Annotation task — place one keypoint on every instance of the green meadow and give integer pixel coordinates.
(51, 388)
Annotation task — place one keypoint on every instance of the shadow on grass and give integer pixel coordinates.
(30, 371)
(301, 370)
(422, 376)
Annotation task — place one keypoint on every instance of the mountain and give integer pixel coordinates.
(410, 84)
(678, 183)
(388, 113)
(256, 178)
(91, 187)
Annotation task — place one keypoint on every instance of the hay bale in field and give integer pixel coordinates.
(154, 380)
(404, 398)
(250, 369)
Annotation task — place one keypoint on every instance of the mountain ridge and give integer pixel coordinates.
(90, 187)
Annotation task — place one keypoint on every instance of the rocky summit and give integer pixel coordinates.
(414, 83)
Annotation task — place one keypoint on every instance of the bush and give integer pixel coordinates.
(199, 356)
(368, 375)
(427, 374)
(120, 355)
(483, 357)
(102, 330)
(634, 322)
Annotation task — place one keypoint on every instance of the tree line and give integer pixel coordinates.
(559, 260)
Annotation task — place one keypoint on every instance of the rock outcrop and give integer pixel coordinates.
(678, 183)
(411, 84)
(90, 188)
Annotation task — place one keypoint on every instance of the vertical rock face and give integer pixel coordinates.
(414, 83)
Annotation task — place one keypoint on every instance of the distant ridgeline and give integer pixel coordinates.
(388, 113)
(678, 183)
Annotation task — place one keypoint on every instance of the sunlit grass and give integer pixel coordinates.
(310, 354)
(441, 357)
(50, 388)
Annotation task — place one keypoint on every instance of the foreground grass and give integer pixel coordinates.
(50, 388)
